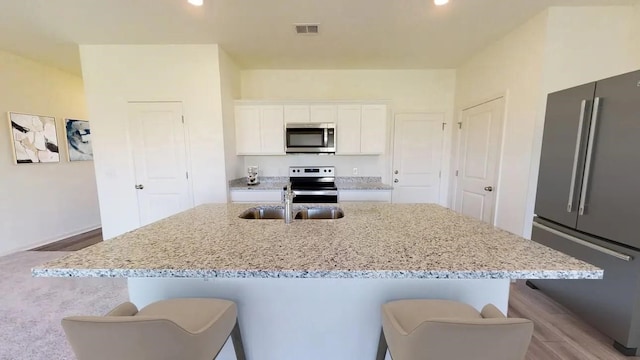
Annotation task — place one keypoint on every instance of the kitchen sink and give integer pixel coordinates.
(305, 213)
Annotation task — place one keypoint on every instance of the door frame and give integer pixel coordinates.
(455, 183)
(445, 161)
(187, 147)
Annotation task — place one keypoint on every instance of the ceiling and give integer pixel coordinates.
(259, 33)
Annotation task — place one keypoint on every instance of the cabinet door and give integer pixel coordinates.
(247, 130)
(296, 113)
(272, 130)
(566, 128)
(373, 127)
(323, 113)
(348, 131)
(612, 173)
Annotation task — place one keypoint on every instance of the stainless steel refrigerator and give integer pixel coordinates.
(588, 201)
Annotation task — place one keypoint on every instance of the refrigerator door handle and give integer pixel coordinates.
(579, 241)
(576, 155)
(587, 166)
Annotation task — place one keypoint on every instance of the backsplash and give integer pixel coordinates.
(279, 165)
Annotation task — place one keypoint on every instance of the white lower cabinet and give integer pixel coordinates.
(364, 196)
(256, 196)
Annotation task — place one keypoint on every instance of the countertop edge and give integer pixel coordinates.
(320, 274)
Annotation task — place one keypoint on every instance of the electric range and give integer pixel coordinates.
(313, 184)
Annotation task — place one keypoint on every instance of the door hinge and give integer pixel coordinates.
(183, 119)
(187, 173)
(460, 125)
(456, 172)
(443, 124)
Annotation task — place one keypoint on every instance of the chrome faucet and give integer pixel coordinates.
(288, 207)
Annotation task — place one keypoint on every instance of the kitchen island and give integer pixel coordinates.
(312, 289)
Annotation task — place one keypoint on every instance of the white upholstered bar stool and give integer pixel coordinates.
(446, 330)
(185, 329)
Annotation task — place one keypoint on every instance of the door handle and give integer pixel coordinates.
(139, 187)
(396, 181)
(576, 156)
(587, 165)
(488, 188)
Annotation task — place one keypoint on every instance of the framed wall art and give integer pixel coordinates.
(78, 134)
(34, 138)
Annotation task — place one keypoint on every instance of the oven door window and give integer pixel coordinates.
(305, 138)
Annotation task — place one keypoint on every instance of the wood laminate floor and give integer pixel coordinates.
(74, 243)
(558, 334)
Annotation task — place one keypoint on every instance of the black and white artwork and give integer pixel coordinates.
(79, 140)
(34, 138)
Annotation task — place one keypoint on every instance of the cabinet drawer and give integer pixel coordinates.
(256, 196)
(364, 196)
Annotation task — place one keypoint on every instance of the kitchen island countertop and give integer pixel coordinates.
(416, 241)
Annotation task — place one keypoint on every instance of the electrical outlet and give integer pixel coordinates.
(355, 171)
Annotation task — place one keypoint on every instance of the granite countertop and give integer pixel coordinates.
(342, 183)
(371, 241)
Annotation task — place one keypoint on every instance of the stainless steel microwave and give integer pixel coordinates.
(317, 138)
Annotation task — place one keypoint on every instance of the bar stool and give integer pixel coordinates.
(445, 330)
(189, 329)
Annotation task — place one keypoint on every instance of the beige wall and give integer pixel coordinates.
(40, 203)
(405, 91)
(230, 91)
(117, 74)
(511, 66)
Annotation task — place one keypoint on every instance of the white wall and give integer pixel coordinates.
(559, 48)
(40, 203)
(116, 74)
(230, 91)
(583, 44)
(513, 66)
(405, 90)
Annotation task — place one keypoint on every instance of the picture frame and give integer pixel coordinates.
(78, 138)
(34, 138)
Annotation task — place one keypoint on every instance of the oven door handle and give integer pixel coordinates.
(316, 192)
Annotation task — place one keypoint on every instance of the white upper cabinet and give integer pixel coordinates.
(323, 113)
(296, 114)
(362, 129)
(373, 127)
(348, 131)
(247, 129)
(259, 129)
(272, 130)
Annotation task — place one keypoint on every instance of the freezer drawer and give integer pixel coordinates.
(611, 305)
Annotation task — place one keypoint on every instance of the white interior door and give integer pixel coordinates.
(160, 159)
(479, 159)
(417, 158)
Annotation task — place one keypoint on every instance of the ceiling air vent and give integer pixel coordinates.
(307, 29)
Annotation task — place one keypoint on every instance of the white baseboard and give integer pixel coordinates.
(51, 240)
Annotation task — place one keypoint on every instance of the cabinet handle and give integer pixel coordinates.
(396, 181)
(488, 188)
(576, 155)
(579, 241)
(587, 166)
(139, 187)
(396, 172)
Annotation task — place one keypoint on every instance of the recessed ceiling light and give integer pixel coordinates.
(195, 2)
(440, 2)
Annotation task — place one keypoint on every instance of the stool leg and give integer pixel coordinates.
(382, 347)
(236, 337)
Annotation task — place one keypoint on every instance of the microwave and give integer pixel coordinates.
(315, 138)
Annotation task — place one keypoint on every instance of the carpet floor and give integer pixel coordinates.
(31, 308)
